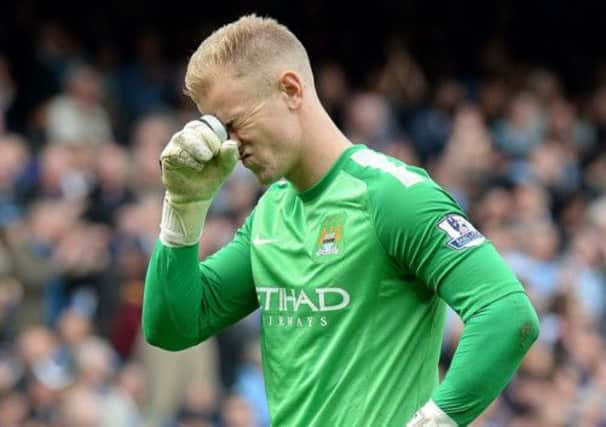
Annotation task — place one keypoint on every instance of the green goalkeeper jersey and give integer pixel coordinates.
(347, 276)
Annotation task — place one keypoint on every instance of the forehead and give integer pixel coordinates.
(227, 97)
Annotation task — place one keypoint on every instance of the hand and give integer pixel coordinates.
(195, 163)
(430, 415)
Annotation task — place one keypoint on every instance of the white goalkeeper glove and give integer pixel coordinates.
(195, 163)
(430, 415)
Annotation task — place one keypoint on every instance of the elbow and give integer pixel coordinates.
(152, 337)
(528, 326)
(165, 340)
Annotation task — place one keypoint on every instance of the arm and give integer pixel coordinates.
(429, 238)
(186, 302)
(494, 341)
(496, 336)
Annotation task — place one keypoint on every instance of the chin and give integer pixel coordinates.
(266, 177)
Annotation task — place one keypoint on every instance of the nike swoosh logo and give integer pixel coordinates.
(257, 241)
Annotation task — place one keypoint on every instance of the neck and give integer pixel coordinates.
(323, 144)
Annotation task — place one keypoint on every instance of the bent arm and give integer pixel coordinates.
(500, 325)
(186, 301)
(428, 236)
(494, 341)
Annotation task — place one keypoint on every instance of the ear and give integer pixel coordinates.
(291, 89)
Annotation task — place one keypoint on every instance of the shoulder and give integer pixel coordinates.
(278, 189)
(391, 182)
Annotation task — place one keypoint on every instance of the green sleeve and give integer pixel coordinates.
(186, 301)
(494, 341)
(419, 227)
(411, 222)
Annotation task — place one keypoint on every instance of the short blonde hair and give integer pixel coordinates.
(252, 47)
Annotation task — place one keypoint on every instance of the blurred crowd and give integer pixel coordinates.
(80, 198)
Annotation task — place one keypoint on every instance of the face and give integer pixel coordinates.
(266, 126)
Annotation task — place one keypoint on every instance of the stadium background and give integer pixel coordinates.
(504, 102)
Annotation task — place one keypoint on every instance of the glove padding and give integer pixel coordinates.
(195, 163)
(430, 415)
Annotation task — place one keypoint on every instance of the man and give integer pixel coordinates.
(351, 259)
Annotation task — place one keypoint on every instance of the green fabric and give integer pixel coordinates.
(490, 350)
(349, 276)
(186, 302)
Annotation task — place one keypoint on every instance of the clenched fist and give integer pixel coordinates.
(195, 163)
(197, 160)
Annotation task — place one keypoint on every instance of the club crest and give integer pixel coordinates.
(330, 238)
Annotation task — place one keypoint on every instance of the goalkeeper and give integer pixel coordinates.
(351, 258)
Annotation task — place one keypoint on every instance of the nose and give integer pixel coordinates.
(233, 135)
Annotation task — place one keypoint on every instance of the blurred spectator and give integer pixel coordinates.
(545, 85)
(198, 407)
(33, 244)
(168, 374)
(492, 99)
(145, 82)
(536, 264)
(584, 273)
(131, 385)
(150, 135)
(14, 158)
(56, 173)
(550, 164)
(430, 127)
(522, 128)
(80, 409)
(14, 409)
(598, 110)
(56, 48)
(467, 158)
(111, 190)
(11, 297)
(77, 115)
(83, 260)
(249, 383)
(237, 412)
(8, 94)
(370, 120)
(96, 367)
(44, 376)
(401, 80)
(332, 87)
(126, 323)
(595, 175)
(573, 132)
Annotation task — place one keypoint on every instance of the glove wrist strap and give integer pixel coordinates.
(182, 223)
